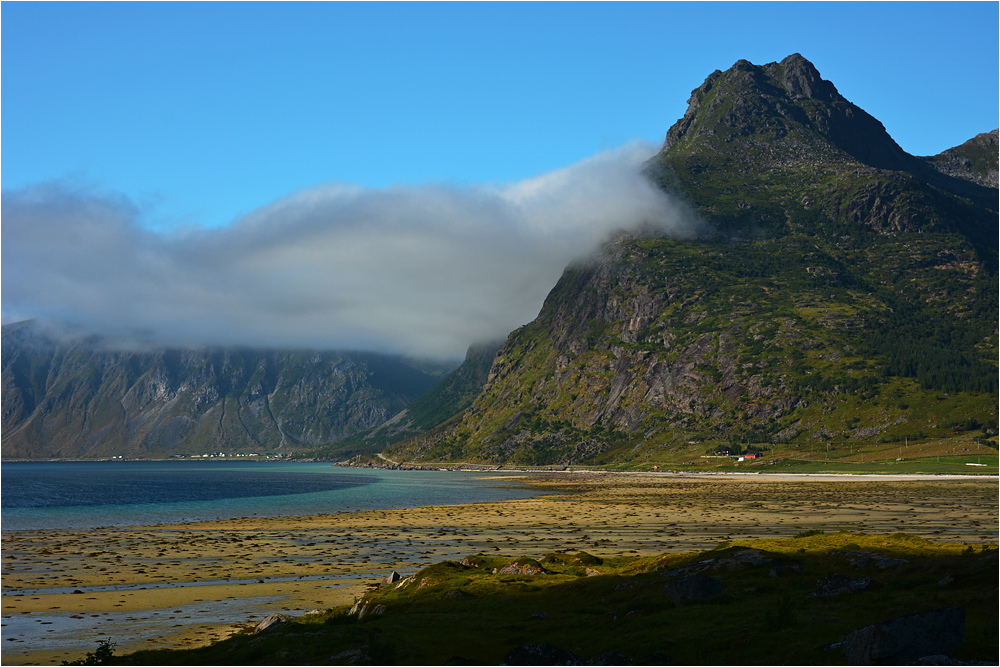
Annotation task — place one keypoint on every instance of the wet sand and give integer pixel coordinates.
(188, 584)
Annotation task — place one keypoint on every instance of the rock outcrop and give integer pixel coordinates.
(836, 584)
(975, 160)
(270, 623)
(693, 587)
(903, 640)
(541, 654)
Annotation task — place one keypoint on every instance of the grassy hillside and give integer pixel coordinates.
(771, 601)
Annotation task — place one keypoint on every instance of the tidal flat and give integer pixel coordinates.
(189, 584)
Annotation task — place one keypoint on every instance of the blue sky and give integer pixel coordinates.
(201, 112)
(408, 178)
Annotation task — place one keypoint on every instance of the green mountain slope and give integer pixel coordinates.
(844, 298)
(77, 399)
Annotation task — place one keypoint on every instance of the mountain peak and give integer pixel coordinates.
(786, 105)
(802, 80)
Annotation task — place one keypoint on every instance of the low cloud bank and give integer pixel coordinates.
(422, 271)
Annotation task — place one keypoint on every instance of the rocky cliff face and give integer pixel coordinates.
(975, 160)
(76, 399)
(847, 297)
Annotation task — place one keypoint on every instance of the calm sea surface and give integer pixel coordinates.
(79, 495)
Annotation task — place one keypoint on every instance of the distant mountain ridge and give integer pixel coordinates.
(78, 399)
(847, 297)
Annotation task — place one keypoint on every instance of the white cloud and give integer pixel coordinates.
(415, 270)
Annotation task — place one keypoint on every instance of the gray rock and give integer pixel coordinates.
(391, 579)
(541, 654)
(526, 568)
(736, 561)
(611, 658)
(270, 623)
(907, 638)
(860, 559)
(362, 609)
(836, 584)
(742, 559)
(692, 587)
(369, 610)
(785, 570)
(945, 660)
(456, 594)
(354, 656)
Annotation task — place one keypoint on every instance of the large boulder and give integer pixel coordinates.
(741, 559)
(785, 570)
(523, 566)
(370, 610)
(692, 587)
(541, 654)
(835, 584)
(905, 639)
(391, 579)
(860, 559)
(270, 623)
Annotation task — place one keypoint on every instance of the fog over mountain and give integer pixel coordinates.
(419, 270)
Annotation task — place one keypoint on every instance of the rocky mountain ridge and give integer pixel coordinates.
(972, 161)
(78, 399)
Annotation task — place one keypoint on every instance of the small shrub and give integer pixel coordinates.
(105, 651)
(808, 533)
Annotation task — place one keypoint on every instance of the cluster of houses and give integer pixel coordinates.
(223, 455)
(738, 454)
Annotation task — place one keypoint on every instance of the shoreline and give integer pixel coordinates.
(474, 467)
(191, 583)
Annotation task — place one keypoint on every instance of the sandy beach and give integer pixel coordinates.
(188, 584)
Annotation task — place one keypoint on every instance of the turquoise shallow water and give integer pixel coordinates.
(80, 495)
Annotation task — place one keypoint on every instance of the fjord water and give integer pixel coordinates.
(88, 494)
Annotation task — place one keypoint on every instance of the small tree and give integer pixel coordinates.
(102, 656)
